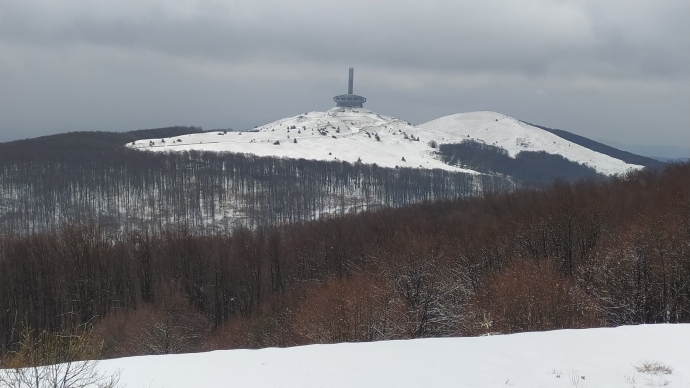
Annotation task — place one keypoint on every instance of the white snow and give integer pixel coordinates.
(514, 136)
(349, 134)
(604, 357)
(339, 134)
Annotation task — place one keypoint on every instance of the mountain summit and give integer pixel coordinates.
(361, 135)
(350, 133)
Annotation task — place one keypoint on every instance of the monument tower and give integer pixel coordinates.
(350, 100)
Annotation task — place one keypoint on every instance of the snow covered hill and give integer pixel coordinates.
(630, 356)
(357, 134)
(515, 136)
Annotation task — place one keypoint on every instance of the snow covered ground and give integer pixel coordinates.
(356, 134)
(514, 136)
(607, 357)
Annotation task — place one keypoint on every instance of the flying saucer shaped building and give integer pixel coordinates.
(350, 100)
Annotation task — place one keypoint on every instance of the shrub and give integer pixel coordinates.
(653, 368)
(55, 360)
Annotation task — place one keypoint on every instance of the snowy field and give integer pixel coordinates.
(609, 357)
(356, 134)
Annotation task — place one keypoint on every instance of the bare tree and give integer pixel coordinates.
(55, 360)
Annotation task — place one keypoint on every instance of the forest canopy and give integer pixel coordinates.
(573, 255)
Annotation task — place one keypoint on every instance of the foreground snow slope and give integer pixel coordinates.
(350, 134)
(564, 358)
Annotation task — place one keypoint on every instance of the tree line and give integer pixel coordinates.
(80, 146)
(573, 255)
(527, 168)
(208, 191)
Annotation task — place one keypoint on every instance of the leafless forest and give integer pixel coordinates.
(210, 192)
(592, 253)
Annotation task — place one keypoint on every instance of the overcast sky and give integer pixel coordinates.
(608, 70)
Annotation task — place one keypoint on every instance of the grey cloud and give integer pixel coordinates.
(522, 37)
(604, 68)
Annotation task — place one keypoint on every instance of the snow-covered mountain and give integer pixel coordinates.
(360, 135)
(515, 136)
(629, 356)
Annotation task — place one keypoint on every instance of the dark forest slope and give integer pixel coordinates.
(125, 189)
(528, 168)
(76, 145)
(625, 156)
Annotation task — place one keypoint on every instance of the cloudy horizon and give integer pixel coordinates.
(614, 70)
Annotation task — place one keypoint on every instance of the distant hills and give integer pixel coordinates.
(671, 160)
(358, 135)
(625, 156)
(76, 145)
